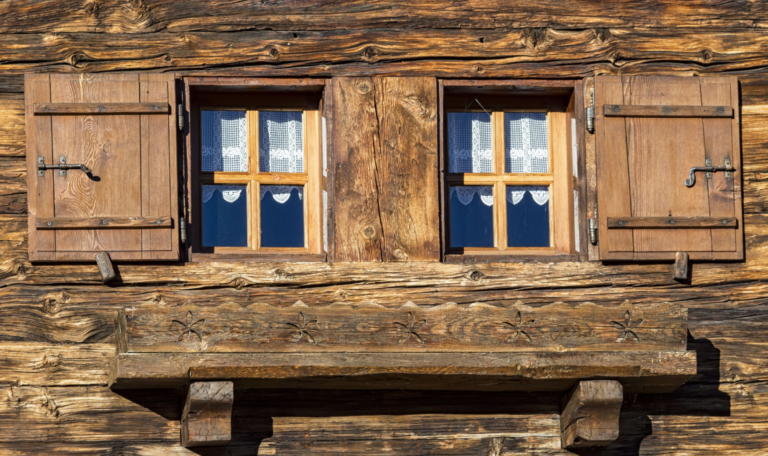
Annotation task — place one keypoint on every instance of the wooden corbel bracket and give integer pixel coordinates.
(207, 416)
(590, 415)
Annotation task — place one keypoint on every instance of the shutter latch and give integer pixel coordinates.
(709, 169)
(62, 167)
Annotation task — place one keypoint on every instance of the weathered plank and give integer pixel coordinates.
(637, 371)
(385, 169)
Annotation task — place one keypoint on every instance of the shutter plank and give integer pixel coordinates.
(661, 151)
(155, 161)
(109, 145)
(666, 111)
(612, 172)
(718, 143)
(39, 144)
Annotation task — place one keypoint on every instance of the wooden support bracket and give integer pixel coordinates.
(590, 414)
(207, 416)
(106, 268)
(681, 266)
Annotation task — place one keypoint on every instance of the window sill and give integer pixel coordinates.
(259, 257)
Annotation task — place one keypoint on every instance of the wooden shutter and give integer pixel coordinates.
(123, 128)
(650, 132)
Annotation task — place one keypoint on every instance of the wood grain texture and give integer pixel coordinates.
(666, 111)
(639, 371)
(720, 411)
(672, 222)
(385, 169)
(373, 328)
(590, 416)
(59, 223)
(207, 416)
(100, 108)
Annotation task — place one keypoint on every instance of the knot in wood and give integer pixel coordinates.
(364, 87)
(369, 232)
(475, 275)
(92, 9)
(400, 255)
(370, 53)
(273, 52)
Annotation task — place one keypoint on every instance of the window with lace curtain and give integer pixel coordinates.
(508, 179)
(259, 176)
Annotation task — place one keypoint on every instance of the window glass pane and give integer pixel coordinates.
(528, 216)
(471, 210)
(281, 142)
(225, 216)
(470, 142)
(282, 216)
(224, 141)
(526, 145)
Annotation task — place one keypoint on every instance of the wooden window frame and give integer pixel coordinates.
(251, 96)
(560, 180)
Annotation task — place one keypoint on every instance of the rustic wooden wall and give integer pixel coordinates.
(56, 321)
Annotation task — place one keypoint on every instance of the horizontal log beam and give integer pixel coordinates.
(637, 371)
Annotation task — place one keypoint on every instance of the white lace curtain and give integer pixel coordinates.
(281, 142)
(231, 193)
(540, 195)
(526, 142)
(225, 141)
(515, 194)
(469, 142)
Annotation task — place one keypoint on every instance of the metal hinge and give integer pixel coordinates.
(591, 111)
(180, 112)
(593, 228)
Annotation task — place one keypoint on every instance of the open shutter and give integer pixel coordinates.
(122, 128)
(650, 132)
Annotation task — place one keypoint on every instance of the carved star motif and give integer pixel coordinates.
(189, 327)
(410, 328)
(519, 327)
(627, 329)
(303, 328)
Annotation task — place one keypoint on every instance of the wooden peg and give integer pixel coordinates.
(681, 266)
(207, 416)
(106, 268)
(590, 414)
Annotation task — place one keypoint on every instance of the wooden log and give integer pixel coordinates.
(41, 364)
(112, 16)
(207, 416)
(590, 414)
(637, 371)
(446, 328)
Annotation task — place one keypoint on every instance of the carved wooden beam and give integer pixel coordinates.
(590, 414)
(207, 416)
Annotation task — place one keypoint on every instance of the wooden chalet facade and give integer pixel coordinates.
(422, 228)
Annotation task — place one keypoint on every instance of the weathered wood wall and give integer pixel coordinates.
(56, 321)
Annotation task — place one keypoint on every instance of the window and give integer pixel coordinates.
(257, 179)
(509, 184)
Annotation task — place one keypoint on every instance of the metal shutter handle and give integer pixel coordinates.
(691, 181)
(62, 166)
